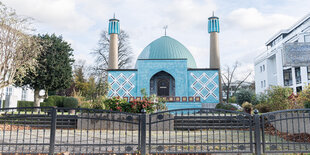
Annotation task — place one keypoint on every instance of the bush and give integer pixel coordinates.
(225, 106)
(247, 107)
(304, 97)
(278, 98)
(87, 105)
(46, 104)
(262, 107)
(25, 104)
(232, 99)
(55, 101)
(307, 104)
(244, 95)
(99, 103)
(70, 102)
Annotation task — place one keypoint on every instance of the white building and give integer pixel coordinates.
(269, 68)
(14, 94)
(233, 86)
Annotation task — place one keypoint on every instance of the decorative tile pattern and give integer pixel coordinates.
(197, 99)
(121, 85)
(204, 85)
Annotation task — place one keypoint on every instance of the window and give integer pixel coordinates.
(307, 38)
(24, 94)
(261, 84)
(261, 69)
(8, 91)
(308, 71)
(264, 83)
(297, 75)
(299, 89)
(287, 77)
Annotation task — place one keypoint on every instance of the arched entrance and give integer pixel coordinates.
(162, 84)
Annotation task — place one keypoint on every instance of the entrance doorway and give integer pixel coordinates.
(162, 84)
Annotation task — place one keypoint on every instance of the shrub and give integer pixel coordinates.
(232, 99)
(262, 107)
(244, 95)
(225, 106)
(25, 104)
(87, 105)
(278, 98)
(70, 102)
(307, 104)
(98, 103)
(304, 97)
(55, 101)
(46, 104)
(247, 107)
(21, 104)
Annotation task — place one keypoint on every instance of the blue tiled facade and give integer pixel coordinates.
(202, 83)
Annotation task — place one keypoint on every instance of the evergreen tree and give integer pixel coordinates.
(54, 69)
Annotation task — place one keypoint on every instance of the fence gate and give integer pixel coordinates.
(200, 131)
(97, 131)
(286, 131)
(24, 131)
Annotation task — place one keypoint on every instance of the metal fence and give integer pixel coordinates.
(91, 131)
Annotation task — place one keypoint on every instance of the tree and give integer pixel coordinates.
(102, 52)
(54, 69)
(228, 77)
(18, 49)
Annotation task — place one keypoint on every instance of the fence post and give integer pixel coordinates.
(143, 132)
(257, 137)
(53, 130)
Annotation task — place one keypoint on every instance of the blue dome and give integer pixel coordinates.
(167, 48)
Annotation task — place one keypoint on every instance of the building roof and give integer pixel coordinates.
(166, 47)
(287, 31)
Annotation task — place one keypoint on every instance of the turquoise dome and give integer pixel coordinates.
(167, 48)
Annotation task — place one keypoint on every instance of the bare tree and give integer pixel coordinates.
(228, 77)
(17, 47)
(102, 52)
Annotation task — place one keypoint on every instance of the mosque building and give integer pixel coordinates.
(167, 69)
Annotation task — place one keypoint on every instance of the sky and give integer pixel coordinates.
(245, 25)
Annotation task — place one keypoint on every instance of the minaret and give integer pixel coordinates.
(214, 29)
(113, 51)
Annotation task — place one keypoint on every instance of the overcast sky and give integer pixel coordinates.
(245, 24)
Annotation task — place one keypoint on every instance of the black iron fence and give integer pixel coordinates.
(91, 131)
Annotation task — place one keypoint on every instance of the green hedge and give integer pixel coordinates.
(45, 104)
(55, 101)
(70, 102)
(21, 104)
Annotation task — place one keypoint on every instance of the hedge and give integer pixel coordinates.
(70, 102)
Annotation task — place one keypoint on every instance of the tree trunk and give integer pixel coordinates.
(227, 95)
(37, 99)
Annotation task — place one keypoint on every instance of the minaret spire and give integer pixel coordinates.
(214, 30)
(114, 30)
